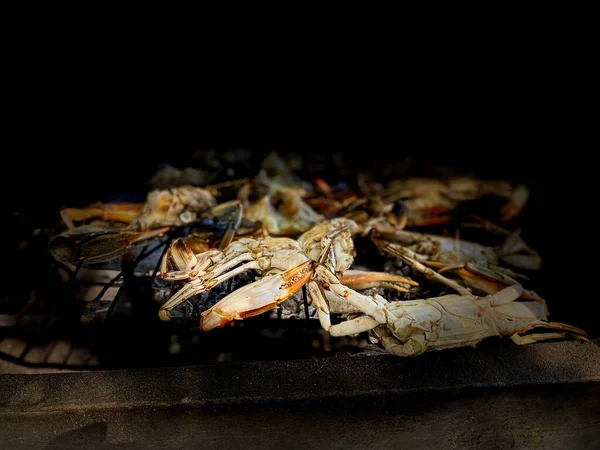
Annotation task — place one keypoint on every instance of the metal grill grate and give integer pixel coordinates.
(107, 319)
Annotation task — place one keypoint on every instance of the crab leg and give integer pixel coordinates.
(186, 263)
(197, 286)
(189, 290)
(258, 297)
(321, 303)
(211, 282)
(181, 257)
(339, 305)
(409, 257)
(118, 212)
(481, 280)
(359, 279)
(507, 295)
(188, 272)
(226, 265)
(470, 250)
(353, 326)
(536, 337)
(511, 251)
(490, 281)
(210, 263)
(362, 323)
(363, 303)
(345, 328)
(91, 244)
(235, 212)
(328, 257)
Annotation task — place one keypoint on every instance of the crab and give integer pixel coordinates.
(430, 201)
(282, 212)
(177, 206)
(418, 202)
(474, 266)
(414, 327)
(319, 259)
(513, 251)
(93, 243)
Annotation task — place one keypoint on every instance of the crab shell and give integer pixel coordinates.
(174, 207)
(343, 252)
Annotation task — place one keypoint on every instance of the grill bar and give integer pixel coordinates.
(543, 364)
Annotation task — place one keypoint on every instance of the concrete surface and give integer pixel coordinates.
(545, 395)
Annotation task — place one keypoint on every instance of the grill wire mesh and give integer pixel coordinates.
(104, 316)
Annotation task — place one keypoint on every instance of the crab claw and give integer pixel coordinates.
(258, 297)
